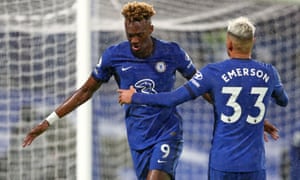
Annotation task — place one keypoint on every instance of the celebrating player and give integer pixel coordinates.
(241, 88)
(154, 134)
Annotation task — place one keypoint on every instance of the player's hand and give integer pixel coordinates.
(35, 132)
(271, 130)
(125, 95)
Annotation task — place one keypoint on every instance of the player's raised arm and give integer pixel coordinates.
(178, 96)
(79, 97)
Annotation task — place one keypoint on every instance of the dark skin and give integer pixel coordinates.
(79, 97)
(139, 35)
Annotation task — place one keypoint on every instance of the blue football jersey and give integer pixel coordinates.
(241, 90)
(147, 125)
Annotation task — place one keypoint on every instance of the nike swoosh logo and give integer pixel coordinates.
(126, 68)
(160, 161)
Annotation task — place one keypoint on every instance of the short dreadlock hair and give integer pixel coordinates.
(138, 11)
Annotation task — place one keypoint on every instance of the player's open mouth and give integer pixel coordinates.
(135, 47)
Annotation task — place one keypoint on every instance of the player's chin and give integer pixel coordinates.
(137, 53)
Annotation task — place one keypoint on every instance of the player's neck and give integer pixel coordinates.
(148, 50)
(237, 55)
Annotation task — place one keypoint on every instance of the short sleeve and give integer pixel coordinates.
(185, 64)
(201, 82)
(103, 71)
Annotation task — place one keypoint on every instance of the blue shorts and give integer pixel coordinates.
(214, 174)
(162, 156)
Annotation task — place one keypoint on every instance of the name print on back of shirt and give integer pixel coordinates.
(239, 72)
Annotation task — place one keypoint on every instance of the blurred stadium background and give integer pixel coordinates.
(38, 70)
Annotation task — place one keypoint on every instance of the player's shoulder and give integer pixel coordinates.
(166, 44)
(262, 64)
(118, 47)
(217, 65)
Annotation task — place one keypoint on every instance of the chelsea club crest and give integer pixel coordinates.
(160, 66)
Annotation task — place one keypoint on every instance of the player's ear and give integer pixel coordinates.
(229, 44)
(151, 28)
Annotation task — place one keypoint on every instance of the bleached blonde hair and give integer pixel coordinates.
(241, 28)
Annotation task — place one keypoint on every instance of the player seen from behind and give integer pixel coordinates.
(241, 89)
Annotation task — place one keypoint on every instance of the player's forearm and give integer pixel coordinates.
(281, 97)
(67, 106)
(283, 100)
(168, 99)
(74, 101)
(79, 97)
